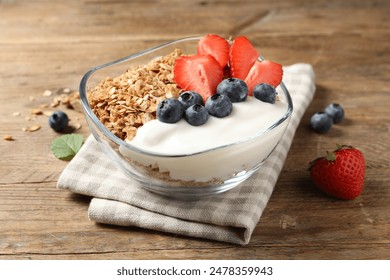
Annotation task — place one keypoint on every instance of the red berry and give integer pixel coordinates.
(216, 46)
(227, 72)
(264, 72)
(340, 173)
(242, 57)
(199, 73)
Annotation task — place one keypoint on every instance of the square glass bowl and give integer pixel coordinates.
(190, 175)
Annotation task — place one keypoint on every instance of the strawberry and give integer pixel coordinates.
(227, 72)
(216, 46)
(264, 72)
(242, 57)
(340, 173)
(199, 73)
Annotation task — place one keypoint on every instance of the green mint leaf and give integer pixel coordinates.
(66, 146)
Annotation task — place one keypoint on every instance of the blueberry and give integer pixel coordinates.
(219, 105)
(170, 110)
(321, 122)
(335, 111)
(196, 115)
(265, 93)
(189, 98)
(58, 121)
(235, 89)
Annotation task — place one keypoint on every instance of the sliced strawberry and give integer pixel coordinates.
(227, 72)
(216, 46)
(242, 57)
(264, 72)
(200, 73)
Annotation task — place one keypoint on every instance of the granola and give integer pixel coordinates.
(126, 102)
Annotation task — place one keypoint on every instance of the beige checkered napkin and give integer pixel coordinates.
(229, 217)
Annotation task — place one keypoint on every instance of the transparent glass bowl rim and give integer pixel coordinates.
(120, 142)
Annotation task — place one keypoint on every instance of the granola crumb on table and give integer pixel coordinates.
(126, 102)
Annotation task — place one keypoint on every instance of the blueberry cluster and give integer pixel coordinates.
(190, 104)
(322, 121)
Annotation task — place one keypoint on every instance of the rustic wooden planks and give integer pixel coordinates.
(48, 46)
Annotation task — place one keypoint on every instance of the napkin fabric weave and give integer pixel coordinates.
(230, 217)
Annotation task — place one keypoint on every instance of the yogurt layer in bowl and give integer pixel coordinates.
(180, 160)
(216, 150)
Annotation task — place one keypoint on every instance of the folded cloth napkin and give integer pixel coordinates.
(229, 217)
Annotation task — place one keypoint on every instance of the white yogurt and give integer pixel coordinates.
(247, 119)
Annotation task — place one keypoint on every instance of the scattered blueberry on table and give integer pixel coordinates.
(58, 121)
(335, 111)
(323, 121)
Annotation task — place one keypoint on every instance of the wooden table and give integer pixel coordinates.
(49, 45)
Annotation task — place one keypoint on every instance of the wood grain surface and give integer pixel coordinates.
(49, 45)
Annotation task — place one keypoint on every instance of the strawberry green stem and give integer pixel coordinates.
(330, 156)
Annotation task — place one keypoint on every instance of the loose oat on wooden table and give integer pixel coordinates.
(126, 102)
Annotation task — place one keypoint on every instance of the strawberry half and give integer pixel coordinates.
(200, 73)
(264, 72)
(340, 173)
(216, 46)
(242, 57)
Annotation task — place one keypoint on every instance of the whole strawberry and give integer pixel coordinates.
(340, 173)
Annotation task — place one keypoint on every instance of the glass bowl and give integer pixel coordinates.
(184, 175)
